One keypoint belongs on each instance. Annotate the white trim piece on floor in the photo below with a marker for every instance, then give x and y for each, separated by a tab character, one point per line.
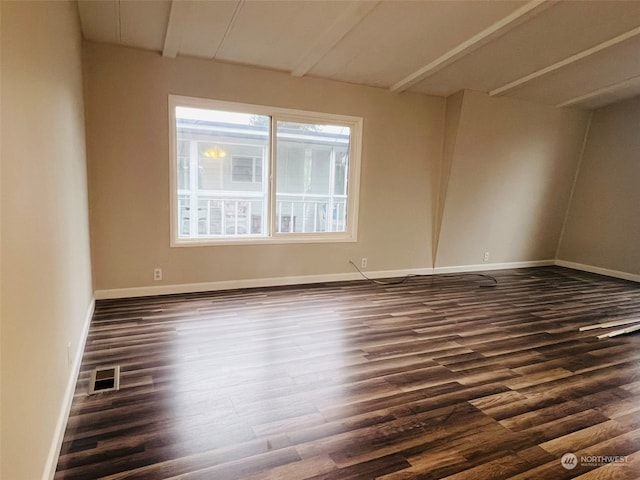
599	270
63	417
614	323
252	283
492	266
623	331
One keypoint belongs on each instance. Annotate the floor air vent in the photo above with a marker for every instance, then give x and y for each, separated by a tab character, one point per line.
104	379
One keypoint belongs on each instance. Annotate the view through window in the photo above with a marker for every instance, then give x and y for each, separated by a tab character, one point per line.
253	174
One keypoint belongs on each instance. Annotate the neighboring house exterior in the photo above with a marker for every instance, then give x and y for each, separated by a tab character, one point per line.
223	176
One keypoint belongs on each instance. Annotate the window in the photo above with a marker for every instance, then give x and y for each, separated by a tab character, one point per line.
252	174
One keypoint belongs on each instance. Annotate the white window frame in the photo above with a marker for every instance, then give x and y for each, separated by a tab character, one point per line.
277	114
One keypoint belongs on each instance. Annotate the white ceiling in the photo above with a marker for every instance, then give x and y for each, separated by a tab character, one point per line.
567	53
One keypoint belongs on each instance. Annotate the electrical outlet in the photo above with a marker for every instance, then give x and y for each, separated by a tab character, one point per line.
69	359
485	258
363	262
157	274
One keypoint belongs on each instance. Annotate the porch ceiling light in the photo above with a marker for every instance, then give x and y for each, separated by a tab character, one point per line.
215	152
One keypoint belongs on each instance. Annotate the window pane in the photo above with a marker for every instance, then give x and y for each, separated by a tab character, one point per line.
242	169
258	170
311	180
183	216
218	152
340	176
290	167
183	165
318	172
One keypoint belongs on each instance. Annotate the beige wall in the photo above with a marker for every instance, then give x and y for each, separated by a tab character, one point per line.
603	221
453	108
46	273
493	174
512	165
128	152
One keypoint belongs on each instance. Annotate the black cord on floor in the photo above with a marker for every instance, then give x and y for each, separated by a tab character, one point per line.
441	275
381	282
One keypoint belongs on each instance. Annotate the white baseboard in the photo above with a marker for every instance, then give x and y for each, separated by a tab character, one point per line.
492	266
599	270
252	283
63	417
337	277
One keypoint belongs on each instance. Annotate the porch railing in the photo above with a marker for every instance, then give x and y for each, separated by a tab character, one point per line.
245	215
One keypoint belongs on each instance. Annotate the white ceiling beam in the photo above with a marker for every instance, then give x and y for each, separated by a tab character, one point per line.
351	17
118	21
230	26
495	30
629	82
567	61
178	20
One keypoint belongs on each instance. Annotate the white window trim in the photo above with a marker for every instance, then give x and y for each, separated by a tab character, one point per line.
282	114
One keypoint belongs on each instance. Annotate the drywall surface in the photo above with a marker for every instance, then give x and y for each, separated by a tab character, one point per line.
128	154
603	221
509	180
453	108
46	268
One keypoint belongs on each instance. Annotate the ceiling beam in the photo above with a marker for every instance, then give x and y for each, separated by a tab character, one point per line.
118	25
178	19
230	26
567	61
629	82
347	20
515	18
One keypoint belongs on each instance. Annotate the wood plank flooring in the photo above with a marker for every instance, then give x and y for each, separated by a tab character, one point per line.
438	377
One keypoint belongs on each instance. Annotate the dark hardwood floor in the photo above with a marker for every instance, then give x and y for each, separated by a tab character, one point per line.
437	377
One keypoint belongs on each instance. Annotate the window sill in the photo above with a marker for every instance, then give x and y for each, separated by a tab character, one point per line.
277	240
